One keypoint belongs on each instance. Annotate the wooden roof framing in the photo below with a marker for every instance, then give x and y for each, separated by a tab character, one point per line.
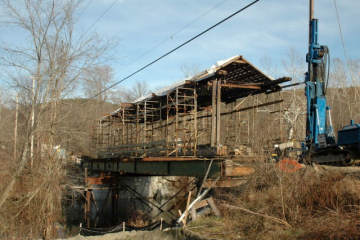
238	78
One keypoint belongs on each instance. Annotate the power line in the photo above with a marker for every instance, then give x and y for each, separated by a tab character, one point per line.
85	8
342	39
177	32
340	29
176	48
101	16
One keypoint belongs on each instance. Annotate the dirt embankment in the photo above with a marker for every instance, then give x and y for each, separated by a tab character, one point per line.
312	203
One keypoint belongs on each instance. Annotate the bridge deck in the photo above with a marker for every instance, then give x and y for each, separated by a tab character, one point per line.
168	166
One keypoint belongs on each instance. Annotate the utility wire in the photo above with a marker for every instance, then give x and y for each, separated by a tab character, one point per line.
176	48
85	8
342	38
100	17
141	56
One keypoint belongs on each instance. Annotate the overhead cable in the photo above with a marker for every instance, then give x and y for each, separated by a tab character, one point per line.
174	49
161	43
101	16
342	39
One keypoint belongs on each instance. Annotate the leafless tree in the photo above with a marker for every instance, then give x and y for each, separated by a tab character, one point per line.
44	69
295	110
268	66
343	94
189	70
139	89
96	80
294	65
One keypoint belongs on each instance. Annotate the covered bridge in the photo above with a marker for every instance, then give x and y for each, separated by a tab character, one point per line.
194	119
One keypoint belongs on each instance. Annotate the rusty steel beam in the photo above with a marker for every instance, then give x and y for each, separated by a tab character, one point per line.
100	180
172	166
164	159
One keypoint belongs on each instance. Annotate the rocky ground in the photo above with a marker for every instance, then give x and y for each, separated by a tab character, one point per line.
133	235
138	235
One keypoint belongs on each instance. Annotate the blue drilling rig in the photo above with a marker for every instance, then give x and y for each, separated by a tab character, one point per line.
320	145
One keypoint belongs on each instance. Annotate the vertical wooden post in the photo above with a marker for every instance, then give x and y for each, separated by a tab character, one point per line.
213	113
110	131
195	122
167	124
127	131
87	207
101	135
145	124
161	132
248	128
123	126
152	113
280	119
253	142
238	128
137	123
218	115
177	122
107	135
130	127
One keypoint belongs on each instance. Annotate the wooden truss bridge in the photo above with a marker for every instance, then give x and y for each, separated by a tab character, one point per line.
179	130
192	128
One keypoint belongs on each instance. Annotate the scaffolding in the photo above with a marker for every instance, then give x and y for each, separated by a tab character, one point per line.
181	122
190	119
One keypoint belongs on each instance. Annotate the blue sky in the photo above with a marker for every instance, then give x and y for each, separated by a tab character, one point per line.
269	28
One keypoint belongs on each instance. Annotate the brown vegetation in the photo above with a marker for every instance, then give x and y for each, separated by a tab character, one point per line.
33	175
276	205
43	72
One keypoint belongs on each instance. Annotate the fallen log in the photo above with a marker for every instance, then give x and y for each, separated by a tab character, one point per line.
342	169
278	220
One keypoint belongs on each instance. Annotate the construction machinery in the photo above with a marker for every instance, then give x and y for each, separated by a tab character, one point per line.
320	145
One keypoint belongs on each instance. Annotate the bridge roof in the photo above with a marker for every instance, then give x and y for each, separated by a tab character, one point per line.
239	77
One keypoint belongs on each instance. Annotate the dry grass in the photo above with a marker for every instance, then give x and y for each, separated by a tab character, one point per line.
301	205
34	208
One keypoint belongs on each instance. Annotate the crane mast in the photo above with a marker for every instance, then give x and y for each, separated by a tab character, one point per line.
319	130
320	145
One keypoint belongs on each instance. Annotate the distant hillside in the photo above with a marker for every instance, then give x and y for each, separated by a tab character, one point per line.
78	116
75	119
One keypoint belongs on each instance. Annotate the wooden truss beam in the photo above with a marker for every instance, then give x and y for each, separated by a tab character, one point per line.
243	86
